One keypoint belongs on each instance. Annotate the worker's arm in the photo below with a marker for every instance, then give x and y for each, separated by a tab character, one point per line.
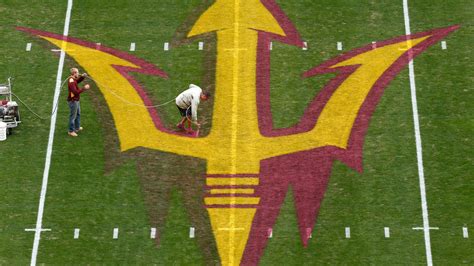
73	88
194	107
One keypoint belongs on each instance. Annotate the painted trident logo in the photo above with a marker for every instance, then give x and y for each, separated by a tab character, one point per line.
245	177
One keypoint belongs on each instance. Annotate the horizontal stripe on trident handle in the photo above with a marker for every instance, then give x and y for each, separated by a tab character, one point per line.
231	204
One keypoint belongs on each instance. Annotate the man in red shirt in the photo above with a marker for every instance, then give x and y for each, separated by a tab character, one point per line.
73	100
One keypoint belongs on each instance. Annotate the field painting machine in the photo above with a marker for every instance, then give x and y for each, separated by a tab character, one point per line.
9	113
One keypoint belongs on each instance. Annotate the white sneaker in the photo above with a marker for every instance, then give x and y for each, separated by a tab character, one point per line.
72	134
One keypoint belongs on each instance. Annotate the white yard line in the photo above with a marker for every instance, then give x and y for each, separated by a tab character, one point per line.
115	234
191	232
348	232
49	151
76	233
419	151
386	232
153	233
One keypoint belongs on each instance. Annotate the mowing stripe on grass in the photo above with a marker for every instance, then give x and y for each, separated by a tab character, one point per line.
386	232
49	151
419	151
465	233
28	47
153	233
76	233
348	232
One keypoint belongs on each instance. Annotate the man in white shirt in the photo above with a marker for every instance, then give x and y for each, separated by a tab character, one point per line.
188	102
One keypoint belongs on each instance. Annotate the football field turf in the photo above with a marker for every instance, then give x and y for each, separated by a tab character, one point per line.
118	194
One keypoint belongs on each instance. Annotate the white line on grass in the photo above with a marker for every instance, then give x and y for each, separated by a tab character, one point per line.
465	233
191	232
49	150
153	233
339	46
423	228
305	46
270	232
444	46
116	233
386	232
166	46
28	47
76	233
271	46
132	47
348	232
419	151
201	46
34	230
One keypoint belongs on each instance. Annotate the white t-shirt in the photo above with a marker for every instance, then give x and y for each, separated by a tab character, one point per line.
190	97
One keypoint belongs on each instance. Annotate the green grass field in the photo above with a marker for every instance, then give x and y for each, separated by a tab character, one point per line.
95	187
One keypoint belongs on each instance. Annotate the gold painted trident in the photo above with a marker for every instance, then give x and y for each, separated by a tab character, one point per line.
235	146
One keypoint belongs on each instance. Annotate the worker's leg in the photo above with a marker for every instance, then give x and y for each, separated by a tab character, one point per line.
72	115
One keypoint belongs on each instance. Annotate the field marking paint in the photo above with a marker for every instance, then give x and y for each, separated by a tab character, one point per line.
348	232
339	46
116	233
423	228
270	232
271	46
76	233
386	232
34	230
192	231
419	151
166	46
28	47
444	46
305	46
465	232
49	150
201	46
153	233
132	47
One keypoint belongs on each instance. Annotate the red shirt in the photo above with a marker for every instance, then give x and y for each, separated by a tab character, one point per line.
74	90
